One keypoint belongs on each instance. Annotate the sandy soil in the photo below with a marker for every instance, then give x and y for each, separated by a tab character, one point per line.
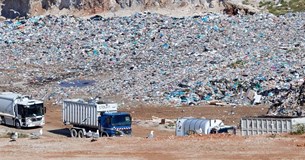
56	143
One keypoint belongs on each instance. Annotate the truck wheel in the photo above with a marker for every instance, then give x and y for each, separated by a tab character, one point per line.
3	121
81	134
104	134
17	124
73	133
213	131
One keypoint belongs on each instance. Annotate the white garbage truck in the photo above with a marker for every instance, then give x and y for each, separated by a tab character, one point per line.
21	110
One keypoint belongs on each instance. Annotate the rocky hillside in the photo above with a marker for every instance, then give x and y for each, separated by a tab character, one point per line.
21	8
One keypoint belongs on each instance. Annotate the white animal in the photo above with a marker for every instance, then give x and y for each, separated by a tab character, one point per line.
36	135
14	136
95	136
232	112
150	135
199	131
89	134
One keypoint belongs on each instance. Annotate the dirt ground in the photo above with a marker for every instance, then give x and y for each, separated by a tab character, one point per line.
56	143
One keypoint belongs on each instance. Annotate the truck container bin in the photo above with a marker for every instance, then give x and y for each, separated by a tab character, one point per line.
269	125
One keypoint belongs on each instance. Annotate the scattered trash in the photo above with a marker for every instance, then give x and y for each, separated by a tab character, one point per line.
156	59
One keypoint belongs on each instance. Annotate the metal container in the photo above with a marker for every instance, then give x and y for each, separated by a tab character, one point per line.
269	125
188	124
85	114
78	113
7	103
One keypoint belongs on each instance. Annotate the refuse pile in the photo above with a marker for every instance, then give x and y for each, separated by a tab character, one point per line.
290	103
156	59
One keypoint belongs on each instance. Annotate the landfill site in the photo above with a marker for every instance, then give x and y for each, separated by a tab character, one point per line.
159	80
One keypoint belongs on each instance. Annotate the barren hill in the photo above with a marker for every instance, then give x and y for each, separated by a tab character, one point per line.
20	8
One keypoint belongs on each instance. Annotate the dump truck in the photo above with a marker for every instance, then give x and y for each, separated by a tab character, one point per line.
21	110
189	125
270	124
86	117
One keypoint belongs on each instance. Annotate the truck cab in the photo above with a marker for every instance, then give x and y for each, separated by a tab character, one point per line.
115	124
31	113
21	110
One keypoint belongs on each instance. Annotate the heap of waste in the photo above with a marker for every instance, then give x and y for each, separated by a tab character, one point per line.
156	59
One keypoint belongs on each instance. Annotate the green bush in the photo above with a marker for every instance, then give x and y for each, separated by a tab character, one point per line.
245	2
284	7
263	3
298	129
297	5
8	135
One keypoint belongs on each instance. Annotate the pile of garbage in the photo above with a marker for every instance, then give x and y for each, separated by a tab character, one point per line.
290	103
156	59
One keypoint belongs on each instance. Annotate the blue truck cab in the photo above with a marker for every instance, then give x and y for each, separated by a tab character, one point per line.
114	124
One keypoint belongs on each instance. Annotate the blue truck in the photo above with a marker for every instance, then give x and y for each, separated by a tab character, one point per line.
86	117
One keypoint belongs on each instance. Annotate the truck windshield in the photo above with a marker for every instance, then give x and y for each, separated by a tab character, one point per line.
121	120
34	110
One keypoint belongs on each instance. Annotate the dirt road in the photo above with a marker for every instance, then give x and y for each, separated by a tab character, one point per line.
56	143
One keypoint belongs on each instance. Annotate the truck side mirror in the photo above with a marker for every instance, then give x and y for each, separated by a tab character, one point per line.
45	109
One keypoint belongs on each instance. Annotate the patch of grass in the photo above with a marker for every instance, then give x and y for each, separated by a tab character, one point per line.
273	136
297	5
284	6
8	135
191	132
4	135
298	129
237	64
171	125
264	3
245	2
